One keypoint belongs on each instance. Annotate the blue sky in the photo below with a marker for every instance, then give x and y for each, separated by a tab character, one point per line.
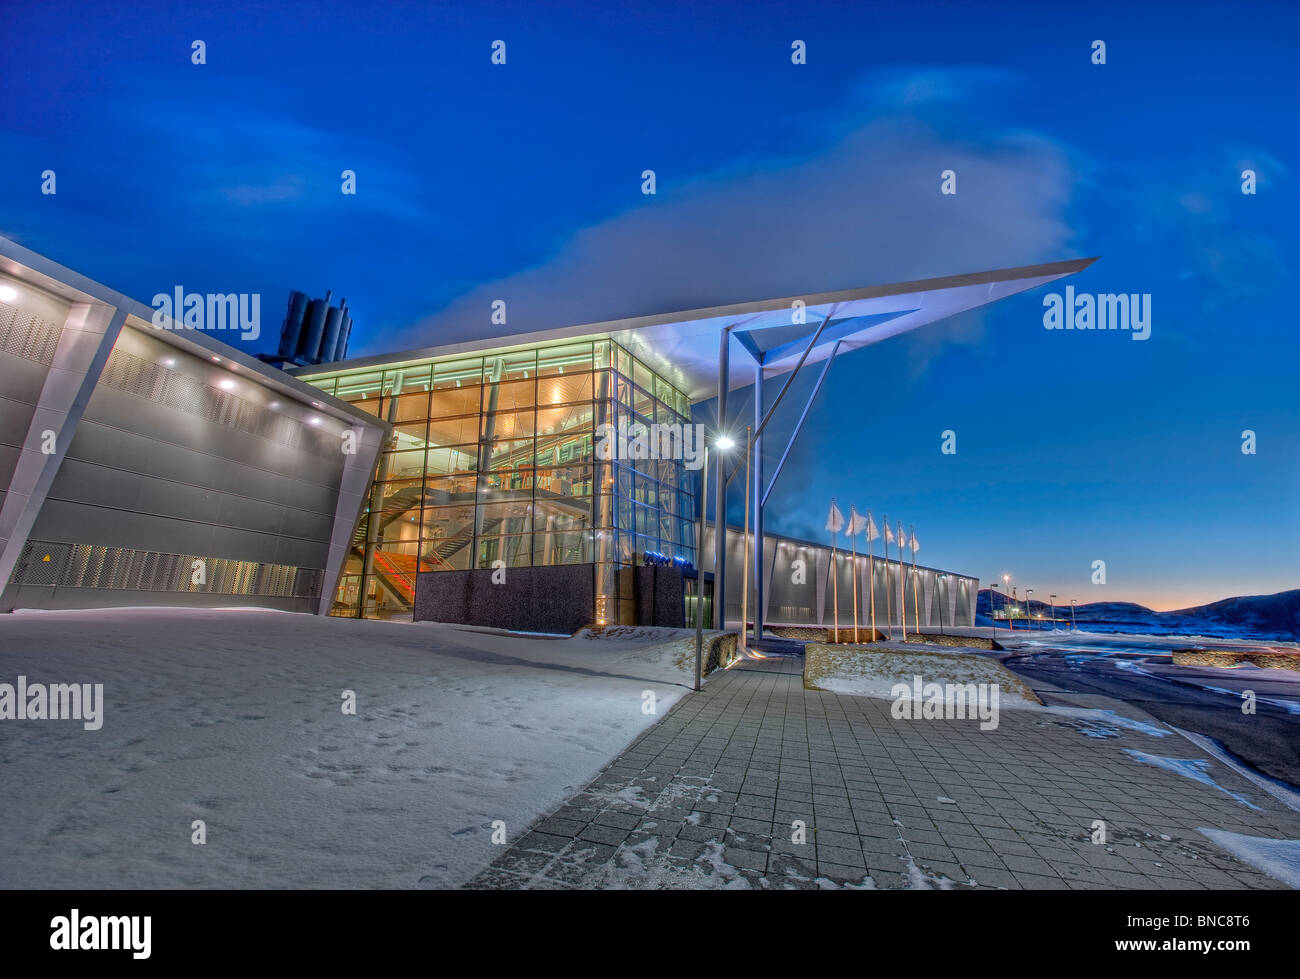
773	179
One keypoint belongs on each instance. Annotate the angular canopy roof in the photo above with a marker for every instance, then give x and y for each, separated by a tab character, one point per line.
683	346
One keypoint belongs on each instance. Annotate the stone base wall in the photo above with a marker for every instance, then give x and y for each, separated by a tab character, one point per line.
660	597
559	599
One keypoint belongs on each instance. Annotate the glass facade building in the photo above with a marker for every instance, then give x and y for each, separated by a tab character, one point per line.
494	463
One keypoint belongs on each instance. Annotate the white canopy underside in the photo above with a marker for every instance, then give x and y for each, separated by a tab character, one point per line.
684	346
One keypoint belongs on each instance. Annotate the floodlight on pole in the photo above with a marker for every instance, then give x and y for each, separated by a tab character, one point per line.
1006	584
993	611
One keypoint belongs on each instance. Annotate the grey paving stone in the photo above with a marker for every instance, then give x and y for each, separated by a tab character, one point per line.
560	827
709	793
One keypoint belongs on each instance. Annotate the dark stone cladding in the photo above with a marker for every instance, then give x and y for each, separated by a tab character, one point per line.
660	597
560	599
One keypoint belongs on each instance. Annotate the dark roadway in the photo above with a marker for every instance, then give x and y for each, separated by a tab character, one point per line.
1139	671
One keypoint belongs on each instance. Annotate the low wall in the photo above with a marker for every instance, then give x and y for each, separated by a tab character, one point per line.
558	599
874	671
864	635
1269	659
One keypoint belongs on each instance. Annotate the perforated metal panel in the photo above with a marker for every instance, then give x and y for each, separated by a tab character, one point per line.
125	569
41	564
27	335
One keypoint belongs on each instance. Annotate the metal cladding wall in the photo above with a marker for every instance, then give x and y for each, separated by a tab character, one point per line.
175	475
28	338
166	464
556	599
795	596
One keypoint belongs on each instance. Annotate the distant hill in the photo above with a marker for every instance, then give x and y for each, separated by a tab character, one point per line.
1266	617
1264	613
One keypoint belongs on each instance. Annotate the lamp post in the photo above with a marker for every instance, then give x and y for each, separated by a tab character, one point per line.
1006	584
1029	610
993	612
723	443
1073	627
1053	601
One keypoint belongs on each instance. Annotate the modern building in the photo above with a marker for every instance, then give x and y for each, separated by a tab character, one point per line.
148	466
492	503
799	587
467	482
493	465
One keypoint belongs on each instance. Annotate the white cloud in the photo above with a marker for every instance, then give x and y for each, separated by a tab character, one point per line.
867	210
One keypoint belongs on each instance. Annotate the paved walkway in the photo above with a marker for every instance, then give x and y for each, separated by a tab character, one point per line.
707	798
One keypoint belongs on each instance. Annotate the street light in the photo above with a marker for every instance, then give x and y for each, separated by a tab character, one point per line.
1006	584
1073	627
993	612
1029	610
723	443
1053	599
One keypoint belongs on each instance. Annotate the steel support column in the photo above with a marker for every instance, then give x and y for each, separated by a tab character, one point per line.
757	476
720	503
798	427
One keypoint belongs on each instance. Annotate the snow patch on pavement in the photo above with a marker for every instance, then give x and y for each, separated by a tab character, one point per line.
1096	723
1282	793
1280	859
1197	769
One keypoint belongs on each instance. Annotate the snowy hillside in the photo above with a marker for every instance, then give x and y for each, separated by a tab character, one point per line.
1265	617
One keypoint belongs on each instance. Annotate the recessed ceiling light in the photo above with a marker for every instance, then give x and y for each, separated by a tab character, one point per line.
275	404
227	385
216	359
315	421
8	293
169	361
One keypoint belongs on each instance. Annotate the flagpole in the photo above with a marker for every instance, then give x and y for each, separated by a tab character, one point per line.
835	578
889	598
902	583
916	600
853	538
871	574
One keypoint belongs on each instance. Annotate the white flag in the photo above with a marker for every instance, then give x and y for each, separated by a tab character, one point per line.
857	524
915	546
872	533
835	520
902	538
889	534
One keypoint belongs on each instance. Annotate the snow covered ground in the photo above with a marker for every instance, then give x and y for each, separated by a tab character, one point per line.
234	717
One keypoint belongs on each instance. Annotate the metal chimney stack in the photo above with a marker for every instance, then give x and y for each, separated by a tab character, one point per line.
314	332
291	330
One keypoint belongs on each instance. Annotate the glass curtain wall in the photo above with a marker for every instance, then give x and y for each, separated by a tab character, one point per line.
493	463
